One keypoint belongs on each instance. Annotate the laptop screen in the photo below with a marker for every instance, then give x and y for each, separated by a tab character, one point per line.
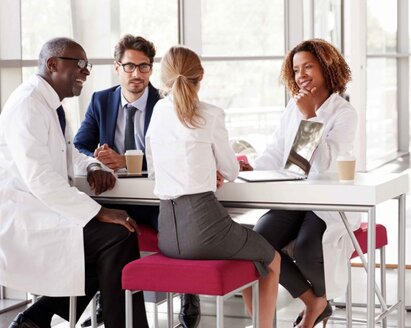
306	140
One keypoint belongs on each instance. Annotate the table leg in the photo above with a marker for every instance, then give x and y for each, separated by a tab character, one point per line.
401	260
371	269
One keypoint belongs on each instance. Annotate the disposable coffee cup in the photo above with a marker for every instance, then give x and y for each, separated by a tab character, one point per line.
346	167
134	161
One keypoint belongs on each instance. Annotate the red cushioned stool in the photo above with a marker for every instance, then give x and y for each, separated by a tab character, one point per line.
147	244
221	278
147	240
381	240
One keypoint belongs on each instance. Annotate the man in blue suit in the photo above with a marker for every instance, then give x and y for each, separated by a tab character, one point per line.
102	133
117	120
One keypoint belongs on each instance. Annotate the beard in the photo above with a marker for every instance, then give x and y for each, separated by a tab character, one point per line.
76	90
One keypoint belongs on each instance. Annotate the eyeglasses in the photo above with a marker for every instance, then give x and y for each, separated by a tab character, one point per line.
131	67
81	63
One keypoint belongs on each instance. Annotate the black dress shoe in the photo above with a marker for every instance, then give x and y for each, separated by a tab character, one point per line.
20	321
99	313
190	311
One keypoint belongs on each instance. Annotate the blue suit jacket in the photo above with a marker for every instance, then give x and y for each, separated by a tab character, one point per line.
100	121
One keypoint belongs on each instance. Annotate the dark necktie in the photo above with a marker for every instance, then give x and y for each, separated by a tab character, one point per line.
129	139
62	118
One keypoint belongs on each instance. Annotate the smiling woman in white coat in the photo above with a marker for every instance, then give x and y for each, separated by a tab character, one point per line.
316	74
54	239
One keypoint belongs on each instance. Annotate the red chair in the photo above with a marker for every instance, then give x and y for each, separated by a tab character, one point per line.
148	243
381	240
147	240
221	278
243	158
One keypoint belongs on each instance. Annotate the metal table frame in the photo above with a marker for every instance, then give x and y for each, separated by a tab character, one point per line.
314	195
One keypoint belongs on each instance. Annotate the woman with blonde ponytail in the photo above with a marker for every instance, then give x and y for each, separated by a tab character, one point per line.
189	154
181	73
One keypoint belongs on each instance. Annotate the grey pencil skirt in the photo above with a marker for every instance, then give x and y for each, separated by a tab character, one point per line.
198	227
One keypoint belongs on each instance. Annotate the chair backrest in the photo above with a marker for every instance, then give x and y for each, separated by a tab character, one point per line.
381	238
147	240
243	158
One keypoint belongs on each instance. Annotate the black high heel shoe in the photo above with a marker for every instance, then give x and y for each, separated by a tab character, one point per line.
324	316
298	319
328	311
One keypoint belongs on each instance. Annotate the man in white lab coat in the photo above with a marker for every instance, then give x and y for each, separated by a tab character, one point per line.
54	239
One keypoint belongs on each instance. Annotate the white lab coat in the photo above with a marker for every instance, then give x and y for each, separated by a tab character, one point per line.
340	123
41	215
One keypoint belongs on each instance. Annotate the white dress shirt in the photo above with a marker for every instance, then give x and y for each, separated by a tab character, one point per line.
185	160
139	119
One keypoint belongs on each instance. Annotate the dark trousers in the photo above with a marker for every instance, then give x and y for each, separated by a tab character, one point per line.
306	269
108	248
142	214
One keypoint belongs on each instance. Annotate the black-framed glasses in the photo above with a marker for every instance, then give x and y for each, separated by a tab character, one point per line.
131	67
81	63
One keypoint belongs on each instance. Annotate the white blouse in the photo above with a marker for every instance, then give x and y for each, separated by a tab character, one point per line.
184	160
340	124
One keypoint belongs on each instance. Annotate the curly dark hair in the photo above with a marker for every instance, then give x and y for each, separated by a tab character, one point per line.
335	69
131	42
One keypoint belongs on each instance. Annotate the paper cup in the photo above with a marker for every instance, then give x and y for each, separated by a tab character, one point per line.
346	168
134	161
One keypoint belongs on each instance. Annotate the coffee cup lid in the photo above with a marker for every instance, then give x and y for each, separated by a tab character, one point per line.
134	152
347	157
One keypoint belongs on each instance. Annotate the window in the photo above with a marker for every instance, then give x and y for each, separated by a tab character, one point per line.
36	19
98	36
242	63
327	21
156	21
242	46
323	19
382	108
238	28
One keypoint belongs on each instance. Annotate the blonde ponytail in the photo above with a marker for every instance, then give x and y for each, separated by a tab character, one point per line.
181	73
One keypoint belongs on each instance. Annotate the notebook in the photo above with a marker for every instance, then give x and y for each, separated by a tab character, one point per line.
298	164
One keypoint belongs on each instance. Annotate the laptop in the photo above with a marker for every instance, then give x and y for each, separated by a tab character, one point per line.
298	164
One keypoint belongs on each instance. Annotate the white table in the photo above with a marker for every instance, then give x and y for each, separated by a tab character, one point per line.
322	192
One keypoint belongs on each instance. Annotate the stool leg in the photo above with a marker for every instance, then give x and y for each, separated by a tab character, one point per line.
129	309
33	298
170	314
348	297
93	312
72	311
155	312
383	281
220	312
256	307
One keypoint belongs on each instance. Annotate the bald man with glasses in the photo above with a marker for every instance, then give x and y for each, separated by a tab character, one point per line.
56	241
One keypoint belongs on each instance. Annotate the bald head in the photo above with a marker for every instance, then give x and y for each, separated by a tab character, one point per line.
63	64
53	48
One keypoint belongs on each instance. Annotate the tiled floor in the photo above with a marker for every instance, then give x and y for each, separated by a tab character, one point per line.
288	308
